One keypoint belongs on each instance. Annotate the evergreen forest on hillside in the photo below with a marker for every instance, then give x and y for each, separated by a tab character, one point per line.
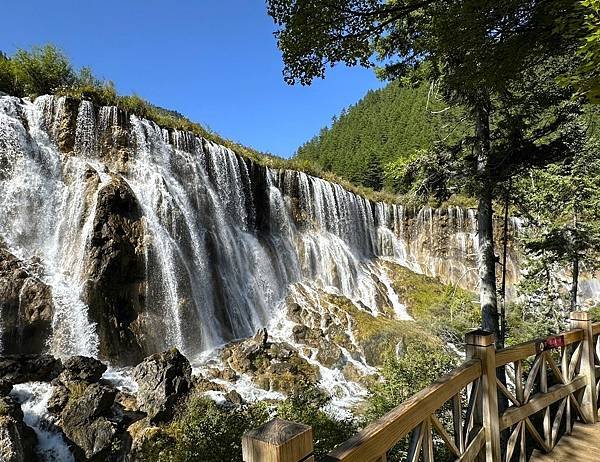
390	125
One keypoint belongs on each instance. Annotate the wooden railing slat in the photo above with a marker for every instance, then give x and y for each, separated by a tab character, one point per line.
385	432
474	447
539	401
439	428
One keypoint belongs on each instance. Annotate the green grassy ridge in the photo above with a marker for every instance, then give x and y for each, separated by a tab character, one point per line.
46	70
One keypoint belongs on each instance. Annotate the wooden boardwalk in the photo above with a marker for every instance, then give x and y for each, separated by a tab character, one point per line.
583	445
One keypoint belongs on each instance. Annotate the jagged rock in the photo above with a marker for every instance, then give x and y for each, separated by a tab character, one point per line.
234	397
5	387
329	354
261	337
227	373
65	132
59	399
117	273
85	420
126	400
163	379
82	368
17	440
201	384
29	368
142	434
272	365
26	307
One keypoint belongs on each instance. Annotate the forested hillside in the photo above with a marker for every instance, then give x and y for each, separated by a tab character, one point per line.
387	125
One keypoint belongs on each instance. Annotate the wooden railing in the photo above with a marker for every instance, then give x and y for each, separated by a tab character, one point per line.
497	406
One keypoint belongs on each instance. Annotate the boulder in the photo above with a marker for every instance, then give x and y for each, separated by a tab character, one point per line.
85	420
82	368
115	288
29	368
5	387
234	397
271	365
59	399
163	379
17	440
26	306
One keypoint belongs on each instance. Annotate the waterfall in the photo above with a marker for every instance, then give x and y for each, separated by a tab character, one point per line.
34	397
46	207
224	237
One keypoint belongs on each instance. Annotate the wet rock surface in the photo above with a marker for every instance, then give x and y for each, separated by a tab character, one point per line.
26	306
92	413
163	380
29	368
117	273
271	365
17	440
82	368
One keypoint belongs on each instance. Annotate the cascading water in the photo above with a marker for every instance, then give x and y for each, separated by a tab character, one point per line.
33	398
45	211
224	237
226	242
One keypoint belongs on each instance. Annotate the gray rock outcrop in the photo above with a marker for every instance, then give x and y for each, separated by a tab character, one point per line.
117	273
17	440
163	379
26	307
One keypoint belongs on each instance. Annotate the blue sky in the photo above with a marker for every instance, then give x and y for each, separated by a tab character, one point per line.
214	61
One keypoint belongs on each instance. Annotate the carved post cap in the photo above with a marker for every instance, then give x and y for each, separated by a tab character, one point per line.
480	337
278	441
581	316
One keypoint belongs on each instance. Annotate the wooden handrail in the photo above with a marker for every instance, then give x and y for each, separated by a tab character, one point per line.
533	347
477	431
384	433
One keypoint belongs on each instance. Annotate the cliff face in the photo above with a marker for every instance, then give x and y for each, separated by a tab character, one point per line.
148	238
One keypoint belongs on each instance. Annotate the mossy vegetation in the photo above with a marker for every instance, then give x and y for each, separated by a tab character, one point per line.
446	311
209	432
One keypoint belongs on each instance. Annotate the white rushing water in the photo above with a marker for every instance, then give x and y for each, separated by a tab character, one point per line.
225	237
33	397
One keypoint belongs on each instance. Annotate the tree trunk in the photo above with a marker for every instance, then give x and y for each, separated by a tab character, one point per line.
504	261
487	257
575	281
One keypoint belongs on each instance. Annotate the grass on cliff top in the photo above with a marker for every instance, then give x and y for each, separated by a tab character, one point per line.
46	70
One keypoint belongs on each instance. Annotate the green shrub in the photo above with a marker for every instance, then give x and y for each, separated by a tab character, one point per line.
8	80
42	70
420	366
205	431
307	407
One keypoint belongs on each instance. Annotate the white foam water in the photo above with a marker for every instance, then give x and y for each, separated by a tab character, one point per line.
33	397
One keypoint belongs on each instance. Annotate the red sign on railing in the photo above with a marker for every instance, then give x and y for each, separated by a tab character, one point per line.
554	342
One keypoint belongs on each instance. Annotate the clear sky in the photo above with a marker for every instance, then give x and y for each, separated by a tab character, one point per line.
215	61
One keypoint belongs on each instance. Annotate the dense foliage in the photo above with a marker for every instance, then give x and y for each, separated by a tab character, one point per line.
391	125
418	367
210	432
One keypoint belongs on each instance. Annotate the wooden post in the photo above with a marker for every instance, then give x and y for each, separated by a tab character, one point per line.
582	320
278	441
480	345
